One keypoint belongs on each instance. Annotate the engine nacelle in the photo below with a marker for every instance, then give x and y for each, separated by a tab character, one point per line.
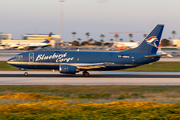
68	69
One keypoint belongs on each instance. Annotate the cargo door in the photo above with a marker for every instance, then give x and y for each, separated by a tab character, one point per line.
31	57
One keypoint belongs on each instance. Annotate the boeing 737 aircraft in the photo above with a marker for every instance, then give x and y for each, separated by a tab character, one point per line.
24	45
71	62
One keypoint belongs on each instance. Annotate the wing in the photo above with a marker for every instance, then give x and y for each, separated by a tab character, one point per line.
92	66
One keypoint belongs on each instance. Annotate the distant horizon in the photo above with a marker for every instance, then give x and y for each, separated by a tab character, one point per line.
84	40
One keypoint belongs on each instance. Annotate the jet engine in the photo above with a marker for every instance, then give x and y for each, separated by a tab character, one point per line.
68	69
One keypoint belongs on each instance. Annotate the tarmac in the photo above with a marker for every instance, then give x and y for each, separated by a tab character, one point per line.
96	78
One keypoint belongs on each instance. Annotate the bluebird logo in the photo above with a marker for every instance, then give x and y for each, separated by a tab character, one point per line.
152	41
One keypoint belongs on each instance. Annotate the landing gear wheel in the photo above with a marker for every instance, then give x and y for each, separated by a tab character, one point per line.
26	73
85	74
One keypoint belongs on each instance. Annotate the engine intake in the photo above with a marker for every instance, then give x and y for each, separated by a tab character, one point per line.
68	69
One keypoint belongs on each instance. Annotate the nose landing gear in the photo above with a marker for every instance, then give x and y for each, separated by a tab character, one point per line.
24	69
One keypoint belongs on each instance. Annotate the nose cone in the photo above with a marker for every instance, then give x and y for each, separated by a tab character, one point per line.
10	60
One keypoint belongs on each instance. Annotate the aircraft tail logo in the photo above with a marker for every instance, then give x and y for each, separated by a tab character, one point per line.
150	44
152	41
48	38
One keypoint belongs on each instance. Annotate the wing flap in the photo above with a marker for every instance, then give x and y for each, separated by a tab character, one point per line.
92	66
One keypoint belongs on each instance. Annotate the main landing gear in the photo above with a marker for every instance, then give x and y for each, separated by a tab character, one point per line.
85	73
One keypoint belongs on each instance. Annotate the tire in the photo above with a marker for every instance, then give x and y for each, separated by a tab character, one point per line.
86	74
26	73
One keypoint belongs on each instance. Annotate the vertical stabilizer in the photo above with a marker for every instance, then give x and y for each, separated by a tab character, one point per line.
49	38
150	44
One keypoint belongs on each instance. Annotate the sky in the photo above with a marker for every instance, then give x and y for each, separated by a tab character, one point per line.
94	16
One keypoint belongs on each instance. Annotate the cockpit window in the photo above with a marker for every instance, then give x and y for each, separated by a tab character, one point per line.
19	56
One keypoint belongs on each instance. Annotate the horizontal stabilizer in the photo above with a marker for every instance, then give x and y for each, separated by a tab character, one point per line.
153	56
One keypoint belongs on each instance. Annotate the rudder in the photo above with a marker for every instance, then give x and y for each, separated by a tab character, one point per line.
150	43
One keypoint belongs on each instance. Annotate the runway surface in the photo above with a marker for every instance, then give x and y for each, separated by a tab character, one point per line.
96	78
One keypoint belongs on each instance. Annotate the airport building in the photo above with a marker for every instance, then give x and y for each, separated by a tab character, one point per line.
5	36
28	38
176	42
40	37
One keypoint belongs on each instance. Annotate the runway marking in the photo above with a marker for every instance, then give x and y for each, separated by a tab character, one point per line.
95	81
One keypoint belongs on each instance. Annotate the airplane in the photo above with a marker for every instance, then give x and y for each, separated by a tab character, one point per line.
72	62
123	45
26	45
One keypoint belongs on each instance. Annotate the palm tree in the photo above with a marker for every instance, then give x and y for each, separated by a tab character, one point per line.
87	34
102	42
90	40
102	36
73	33
173	34
130	37
111	40
144	35
121	39
79	41
116	37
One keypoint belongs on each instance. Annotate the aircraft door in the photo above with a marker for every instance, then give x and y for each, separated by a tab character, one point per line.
31	57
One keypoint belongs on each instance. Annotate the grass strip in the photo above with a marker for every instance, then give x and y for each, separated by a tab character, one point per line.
59	110
69	89
34	104
158	66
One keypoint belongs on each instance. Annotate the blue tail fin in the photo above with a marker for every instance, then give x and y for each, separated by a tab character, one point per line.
150	44
48	39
